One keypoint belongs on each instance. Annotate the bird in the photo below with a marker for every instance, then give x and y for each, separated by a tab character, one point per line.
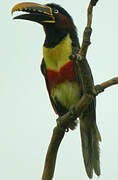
63	79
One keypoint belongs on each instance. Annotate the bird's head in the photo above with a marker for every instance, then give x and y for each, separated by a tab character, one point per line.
44	14
55	19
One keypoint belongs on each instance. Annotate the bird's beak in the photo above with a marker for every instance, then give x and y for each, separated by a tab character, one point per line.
34	12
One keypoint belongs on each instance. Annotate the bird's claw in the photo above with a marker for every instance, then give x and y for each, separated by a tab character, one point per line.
72	112
74	123
60	126
98	89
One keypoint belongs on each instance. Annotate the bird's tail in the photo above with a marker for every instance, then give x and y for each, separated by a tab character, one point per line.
90	138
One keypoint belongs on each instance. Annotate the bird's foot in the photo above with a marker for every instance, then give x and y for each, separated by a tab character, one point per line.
72	112
73	124
98	89
60	126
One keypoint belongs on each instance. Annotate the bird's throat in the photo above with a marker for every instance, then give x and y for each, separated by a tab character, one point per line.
56	57
53	35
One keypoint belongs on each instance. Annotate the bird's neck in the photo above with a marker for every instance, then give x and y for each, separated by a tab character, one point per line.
55	36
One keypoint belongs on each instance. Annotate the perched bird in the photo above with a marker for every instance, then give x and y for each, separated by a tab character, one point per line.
61	75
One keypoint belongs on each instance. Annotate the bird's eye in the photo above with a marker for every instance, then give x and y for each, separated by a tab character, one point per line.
56	11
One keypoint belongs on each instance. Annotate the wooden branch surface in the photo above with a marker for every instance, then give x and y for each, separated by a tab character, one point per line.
49	167
109	83
89	92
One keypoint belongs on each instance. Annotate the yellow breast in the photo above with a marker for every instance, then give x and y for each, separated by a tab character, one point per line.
56	57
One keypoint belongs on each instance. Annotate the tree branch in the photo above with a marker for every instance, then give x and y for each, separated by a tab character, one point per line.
90	91
106	84
58	133
49	167
85	101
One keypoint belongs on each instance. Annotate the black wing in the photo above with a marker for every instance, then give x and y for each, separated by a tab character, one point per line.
90	135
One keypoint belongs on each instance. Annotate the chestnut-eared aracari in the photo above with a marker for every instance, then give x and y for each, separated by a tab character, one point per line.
61	75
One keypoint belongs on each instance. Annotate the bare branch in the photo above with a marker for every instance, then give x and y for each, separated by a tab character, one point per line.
89	93
58	132
101	87
87	32
89	15
109	83
50	161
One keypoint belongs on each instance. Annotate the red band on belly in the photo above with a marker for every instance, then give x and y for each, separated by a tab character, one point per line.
67	72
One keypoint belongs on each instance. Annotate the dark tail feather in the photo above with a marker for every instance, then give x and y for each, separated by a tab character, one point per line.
90	138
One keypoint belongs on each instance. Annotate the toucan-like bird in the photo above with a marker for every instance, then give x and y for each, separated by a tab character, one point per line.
62	79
